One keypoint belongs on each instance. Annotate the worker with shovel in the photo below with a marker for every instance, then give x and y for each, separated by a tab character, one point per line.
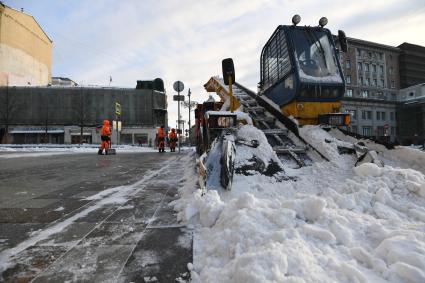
105	136
160	137
172	137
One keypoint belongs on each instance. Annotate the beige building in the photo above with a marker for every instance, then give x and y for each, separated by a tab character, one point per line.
25	50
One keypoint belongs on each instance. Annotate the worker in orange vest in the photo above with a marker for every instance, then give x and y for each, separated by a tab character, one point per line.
172	137
160	137
105	136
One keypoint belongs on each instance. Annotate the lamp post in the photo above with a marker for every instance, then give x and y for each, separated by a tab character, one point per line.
188	94
178	87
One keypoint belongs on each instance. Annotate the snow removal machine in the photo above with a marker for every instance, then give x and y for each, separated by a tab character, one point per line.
301	83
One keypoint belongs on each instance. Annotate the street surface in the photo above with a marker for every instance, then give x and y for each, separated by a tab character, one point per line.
90	218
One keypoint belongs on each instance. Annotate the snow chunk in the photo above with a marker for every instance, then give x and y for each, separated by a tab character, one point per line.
406	249
408	272
309	208
368	169
251	266
210	208
319	233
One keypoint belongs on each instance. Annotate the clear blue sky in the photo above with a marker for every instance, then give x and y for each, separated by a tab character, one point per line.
187	39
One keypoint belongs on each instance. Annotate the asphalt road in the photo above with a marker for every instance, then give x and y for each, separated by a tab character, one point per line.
56	227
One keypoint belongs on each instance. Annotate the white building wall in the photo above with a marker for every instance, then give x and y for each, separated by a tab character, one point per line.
23	69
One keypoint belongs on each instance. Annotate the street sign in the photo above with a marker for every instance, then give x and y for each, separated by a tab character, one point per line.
117	108
178	97
386	126
116	125
178	86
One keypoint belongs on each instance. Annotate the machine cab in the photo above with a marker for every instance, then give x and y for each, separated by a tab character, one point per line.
301	63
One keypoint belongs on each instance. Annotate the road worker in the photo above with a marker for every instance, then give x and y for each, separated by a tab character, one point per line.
105	136
172	137
160	137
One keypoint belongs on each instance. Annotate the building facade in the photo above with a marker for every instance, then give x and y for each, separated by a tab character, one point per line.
73	114
411	115
60	81
25	50
371	72
412	65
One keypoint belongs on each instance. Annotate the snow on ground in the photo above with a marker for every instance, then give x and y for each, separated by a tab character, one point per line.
401	156
17	151
335	223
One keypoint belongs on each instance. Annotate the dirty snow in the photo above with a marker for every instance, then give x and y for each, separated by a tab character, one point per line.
336	223
25	150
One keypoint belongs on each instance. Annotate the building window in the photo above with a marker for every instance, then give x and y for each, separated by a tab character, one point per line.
380	56
383	116
353	114
392	116
380	131
364	93
378	115
370	54
367	131
392	84
354	129
348	64
381	70
361	80
359	66
366	115
367	81
374	68
375	82
359	52
348	79
382	83
366	67
349	92
391	70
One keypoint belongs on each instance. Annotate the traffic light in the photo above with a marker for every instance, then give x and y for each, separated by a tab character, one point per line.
228	70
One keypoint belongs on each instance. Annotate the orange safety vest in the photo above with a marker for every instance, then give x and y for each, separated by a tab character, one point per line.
172	135
160	133
105	129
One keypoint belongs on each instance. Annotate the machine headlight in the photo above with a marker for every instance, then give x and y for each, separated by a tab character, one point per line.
323	21
296	20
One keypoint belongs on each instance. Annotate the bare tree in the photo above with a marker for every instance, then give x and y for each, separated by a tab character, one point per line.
79	109
8	107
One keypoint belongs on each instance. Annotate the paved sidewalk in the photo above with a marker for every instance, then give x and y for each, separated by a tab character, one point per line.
125	234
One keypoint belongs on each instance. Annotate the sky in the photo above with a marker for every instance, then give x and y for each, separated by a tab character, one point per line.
186	40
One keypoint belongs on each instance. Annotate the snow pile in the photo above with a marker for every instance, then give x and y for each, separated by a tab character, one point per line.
323	141
401	156
263	152
336	223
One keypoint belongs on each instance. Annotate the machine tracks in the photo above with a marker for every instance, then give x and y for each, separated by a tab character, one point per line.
277	134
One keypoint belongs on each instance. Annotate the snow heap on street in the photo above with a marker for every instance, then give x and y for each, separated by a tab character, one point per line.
335	223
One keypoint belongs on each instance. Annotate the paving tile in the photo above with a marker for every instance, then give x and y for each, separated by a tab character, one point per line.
88	264
98	215
162	254
30	262
28	215
33	203
69	236
114	234
13	233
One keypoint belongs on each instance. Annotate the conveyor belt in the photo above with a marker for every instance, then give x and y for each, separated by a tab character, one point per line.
277	133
